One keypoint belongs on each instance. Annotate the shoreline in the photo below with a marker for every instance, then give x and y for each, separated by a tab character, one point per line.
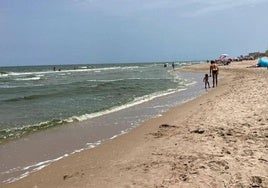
43	148
218	139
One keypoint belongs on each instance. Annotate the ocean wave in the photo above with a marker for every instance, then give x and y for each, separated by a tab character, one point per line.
80	69
20	86
29	73
18	132
27	79
14	133
7	86
86	68
83	67
29	97
136	101
3	74
115	80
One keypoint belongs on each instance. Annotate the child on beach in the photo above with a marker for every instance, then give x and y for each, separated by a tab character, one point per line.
206	81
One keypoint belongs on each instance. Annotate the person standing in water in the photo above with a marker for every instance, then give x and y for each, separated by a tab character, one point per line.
214	71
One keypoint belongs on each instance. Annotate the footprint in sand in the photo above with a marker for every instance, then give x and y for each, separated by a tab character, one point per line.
158	134
76	174
163	129
247	152
256	181
218	165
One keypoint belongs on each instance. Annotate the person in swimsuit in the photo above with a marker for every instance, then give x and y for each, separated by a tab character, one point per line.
214	71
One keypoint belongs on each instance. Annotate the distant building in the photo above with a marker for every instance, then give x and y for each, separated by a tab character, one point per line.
256	55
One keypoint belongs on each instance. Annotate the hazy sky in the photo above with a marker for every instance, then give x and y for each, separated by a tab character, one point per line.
117	31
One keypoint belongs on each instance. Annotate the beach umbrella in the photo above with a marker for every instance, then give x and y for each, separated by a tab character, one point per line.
224	56
225	59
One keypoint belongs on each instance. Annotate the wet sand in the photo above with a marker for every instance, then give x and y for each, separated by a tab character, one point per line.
217	140
26	155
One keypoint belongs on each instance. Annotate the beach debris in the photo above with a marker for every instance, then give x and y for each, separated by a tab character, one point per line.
76	174
163	129
198	131
66	177
167	126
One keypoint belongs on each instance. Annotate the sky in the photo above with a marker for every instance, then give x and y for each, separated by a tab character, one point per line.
48	32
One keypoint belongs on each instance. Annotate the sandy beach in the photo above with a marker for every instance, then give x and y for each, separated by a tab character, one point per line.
217	140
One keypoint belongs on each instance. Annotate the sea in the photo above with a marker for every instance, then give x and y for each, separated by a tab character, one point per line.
50	112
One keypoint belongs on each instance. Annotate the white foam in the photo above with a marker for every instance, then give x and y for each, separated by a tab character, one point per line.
136	101
70	71
26	79
115	80
3	75
83	67
20	86
26	171
7	86
30	169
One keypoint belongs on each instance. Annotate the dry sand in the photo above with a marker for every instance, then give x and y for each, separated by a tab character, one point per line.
217	140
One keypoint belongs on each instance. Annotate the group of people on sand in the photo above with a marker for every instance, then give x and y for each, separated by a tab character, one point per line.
214	71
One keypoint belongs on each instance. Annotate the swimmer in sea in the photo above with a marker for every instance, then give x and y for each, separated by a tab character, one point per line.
214	71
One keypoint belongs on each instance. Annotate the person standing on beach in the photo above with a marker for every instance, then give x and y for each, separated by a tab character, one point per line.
214	70
206	81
